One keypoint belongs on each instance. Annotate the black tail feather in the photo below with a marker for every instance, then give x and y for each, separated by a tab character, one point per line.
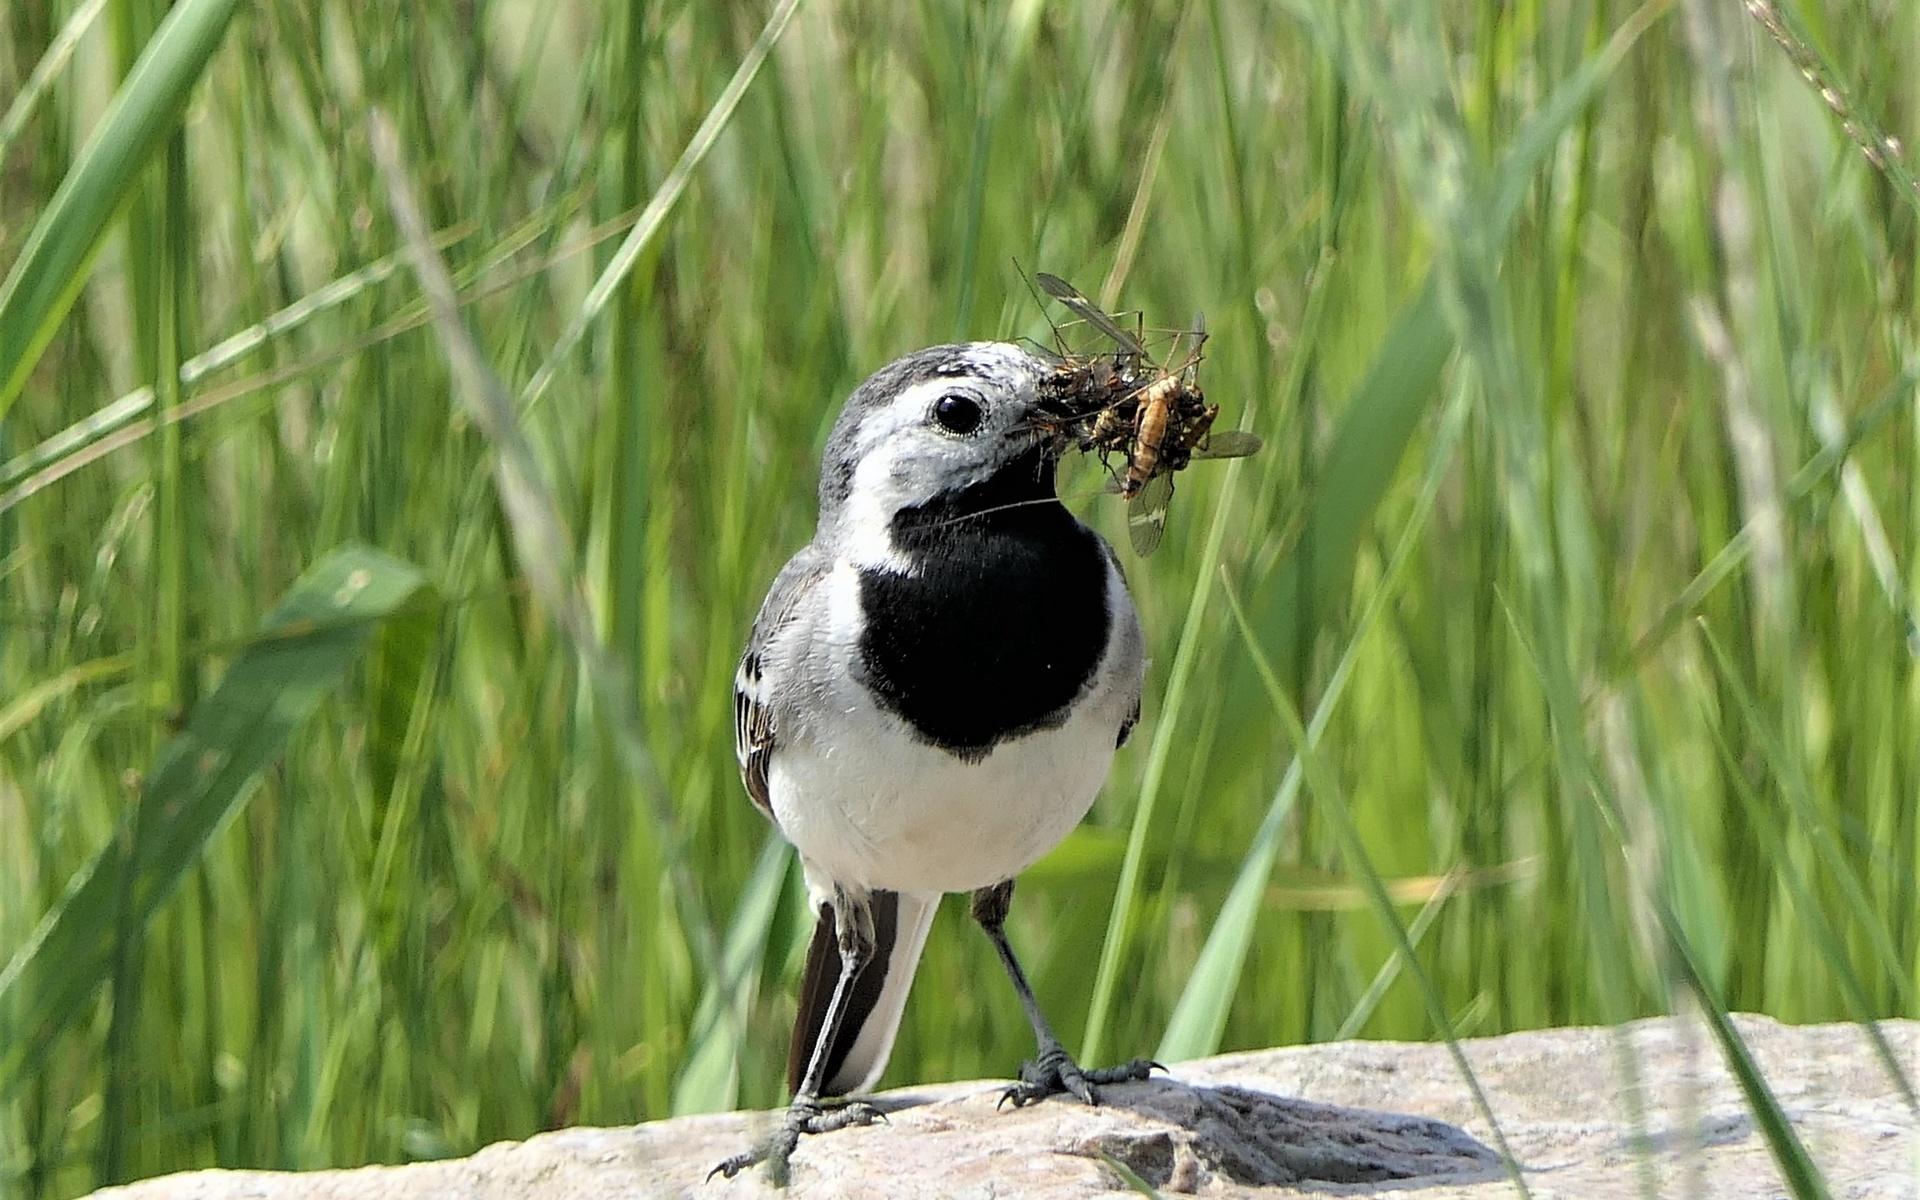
816	989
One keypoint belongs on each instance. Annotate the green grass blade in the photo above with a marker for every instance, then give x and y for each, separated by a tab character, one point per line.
1360	863
1200	1016
668	194
1789	1152
199	781
130	417
59	53
52	266
1389	971
1375	429
1825	938
1129	1177
1380	416
1127	887
1883	153
710	1077
1829	461
1535	140
21	710
1810	819
542	543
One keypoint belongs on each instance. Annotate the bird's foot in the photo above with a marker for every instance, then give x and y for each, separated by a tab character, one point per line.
803	1116
1053	1071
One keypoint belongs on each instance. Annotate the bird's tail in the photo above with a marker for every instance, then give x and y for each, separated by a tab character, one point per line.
859	1053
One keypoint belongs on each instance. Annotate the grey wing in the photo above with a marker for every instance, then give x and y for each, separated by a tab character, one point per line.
1133	661
755	731
1126	725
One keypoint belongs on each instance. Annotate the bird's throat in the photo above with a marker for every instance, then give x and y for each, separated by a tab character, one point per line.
1000	620
1018	501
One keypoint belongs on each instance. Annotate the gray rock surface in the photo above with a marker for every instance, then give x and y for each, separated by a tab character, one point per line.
1352	1118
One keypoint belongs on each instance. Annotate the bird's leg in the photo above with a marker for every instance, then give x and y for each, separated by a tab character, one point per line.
1052	1069
853	928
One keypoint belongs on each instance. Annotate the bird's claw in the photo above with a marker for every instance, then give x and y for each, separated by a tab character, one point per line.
803	1117
1053	1071
853	1112
730	1167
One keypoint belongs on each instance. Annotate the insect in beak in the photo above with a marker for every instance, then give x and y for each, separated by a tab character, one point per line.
1123	404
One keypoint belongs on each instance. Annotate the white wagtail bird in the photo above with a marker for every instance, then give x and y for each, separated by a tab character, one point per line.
928	702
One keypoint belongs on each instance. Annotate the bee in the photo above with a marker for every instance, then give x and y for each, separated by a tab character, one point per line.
1154	415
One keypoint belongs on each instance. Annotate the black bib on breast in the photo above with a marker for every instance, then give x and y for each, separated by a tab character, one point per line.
1002	621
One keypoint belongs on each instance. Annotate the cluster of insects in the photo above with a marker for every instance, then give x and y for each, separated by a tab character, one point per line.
1124	404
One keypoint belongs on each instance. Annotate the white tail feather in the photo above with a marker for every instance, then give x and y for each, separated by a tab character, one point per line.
866	1061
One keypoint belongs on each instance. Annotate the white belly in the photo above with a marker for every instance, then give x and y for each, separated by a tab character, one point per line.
877	808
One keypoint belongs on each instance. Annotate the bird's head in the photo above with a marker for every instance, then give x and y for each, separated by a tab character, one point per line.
946	437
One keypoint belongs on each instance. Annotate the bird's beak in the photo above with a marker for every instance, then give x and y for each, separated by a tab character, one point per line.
1057	412
1050	426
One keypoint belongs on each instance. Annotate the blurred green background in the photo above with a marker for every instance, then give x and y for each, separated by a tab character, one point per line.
1580	334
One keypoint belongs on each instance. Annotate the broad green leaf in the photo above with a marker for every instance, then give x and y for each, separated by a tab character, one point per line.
201	779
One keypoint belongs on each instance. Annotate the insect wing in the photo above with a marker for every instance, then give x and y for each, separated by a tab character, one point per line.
1228	443
1147	514
1196	351
1087	311
1046	354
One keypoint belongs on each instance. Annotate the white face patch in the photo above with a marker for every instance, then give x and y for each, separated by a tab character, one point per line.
867	529
906	461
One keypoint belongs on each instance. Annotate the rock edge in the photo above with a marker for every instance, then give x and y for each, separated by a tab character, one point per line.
1348	1118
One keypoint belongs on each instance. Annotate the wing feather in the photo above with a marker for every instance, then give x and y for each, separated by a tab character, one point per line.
755	726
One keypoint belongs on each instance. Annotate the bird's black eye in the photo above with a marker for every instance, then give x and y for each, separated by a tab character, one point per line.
956	413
